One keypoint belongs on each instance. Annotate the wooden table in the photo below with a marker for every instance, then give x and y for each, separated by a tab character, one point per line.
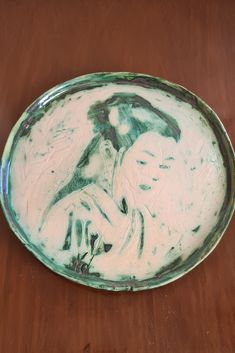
43	43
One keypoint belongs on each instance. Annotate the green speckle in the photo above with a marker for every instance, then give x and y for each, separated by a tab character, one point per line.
155	179
144	187
190	205
202	160
213	143
195	230
169	159
154	251
193	168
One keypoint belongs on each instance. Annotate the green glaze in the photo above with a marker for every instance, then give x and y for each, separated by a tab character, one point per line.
67	242
80	269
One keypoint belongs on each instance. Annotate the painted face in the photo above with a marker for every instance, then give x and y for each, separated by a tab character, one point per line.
149	160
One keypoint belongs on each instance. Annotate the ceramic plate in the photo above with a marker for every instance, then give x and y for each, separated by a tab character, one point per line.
118	181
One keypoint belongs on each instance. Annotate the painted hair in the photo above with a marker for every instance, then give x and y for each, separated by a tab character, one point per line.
125	104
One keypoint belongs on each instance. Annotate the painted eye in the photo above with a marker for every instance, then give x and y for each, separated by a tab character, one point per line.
164	166
141	162
145	187
149	153
155	179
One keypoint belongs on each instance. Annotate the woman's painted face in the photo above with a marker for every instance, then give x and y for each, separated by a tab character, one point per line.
148	161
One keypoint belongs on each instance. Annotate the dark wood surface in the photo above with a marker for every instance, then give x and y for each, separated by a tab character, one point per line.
43	43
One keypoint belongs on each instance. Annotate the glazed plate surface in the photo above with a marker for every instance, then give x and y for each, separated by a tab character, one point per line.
118	181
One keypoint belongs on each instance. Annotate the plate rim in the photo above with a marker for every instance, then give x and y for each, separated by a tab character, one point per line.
96	282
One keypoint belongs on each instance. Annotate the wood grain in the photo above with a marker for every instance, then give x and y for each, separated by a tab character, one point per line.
43	43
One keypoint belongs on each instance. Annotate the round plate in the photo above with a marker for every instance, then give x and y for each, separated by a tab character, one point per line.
118	181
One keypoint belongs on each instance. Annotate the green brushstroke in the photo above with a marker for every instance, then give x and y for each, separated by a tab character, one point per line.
67	243
149	153
86	232
77	182
85	204
102	212
141	233
169	267
124	207
93	239
195	230
78	228
130	233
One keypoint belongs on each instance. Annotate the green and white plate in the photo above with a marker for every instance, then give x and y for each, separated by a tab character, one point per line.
118	181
